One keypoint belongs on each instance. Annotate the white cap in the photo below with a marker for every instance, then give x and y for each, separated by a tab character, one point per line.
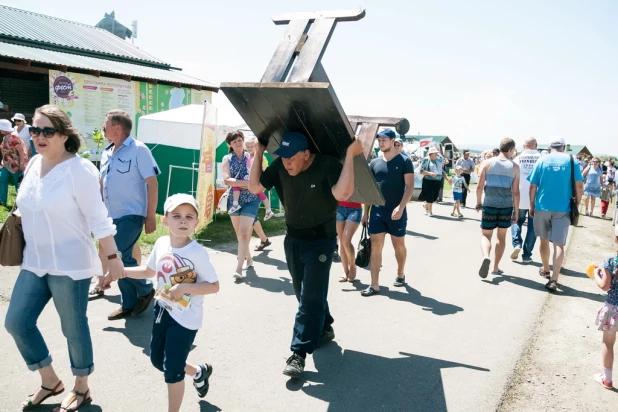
557	141
176	200
5	125
433	150
460	167
19	116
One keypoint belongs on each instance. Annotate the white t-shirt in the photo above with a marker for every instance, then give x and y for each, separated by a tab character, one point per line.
189	264
24	135
526	161
458	184
611	172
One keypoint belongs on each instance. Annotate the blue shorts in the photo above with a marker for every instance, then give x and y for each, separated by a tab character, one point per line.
457	196
349	214
248	209
170	345
380	221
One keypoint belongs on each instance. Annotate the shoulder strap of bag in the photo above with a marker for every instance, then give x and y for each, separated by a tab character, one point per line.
572	178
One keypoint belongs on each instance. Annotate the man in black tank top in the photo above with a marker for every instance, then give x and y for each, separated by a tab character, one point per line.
310	187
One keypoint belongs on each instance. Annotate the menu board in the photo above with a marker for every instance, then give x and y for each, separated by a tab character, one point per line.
87	99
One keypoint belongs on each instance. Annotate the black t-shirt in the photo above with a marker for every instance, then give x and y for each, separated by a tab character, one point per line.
390	178
307	197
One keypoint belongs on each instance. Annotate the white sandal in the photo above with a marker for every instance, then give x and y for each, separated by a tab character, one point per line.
95	291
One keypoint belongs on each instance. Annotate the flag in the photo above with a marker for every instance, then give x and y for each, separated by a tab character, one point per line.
425	142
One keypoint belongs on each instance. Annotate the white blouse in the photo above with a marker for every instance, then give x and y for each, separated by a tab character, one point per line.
60	212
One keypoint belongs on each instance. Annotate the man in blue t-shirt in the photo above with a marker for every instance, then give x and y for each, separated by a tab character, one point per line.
550	196
394	175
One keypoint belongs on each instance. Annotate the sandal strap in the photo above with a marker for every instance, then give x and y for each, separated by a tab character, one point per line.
51	390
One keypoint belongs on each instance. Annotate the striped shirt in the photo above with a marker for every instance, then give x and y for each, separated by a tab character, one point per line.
499	178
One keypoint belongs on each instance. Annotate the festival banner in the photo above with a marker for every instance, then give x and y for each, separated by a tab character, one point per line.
206	173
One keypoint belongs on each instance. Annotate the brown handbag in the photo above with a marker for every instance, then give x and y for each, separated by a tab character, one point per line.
12	241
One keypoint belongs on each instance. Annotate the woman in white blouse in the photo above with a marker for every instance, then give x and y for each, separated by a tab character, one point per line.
61	207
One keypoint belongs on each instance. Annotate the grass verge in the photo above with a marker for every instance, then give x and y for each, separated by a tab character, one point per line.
6	209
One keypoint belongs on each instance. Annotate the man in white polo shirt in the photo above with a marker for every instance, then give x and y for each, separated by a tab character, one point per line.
526	161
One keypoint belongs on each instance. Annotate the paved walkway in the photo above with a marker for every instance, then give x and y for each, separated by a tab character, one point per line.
448	341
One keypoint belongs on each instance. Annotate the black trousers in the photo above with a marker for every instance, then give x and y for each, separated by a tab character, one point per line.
309	263
464	196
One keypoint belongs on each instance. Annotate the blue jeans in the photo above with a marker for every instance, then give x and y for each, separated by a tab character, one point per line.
170	345
5	176
528	244
30	296
128	230
309	263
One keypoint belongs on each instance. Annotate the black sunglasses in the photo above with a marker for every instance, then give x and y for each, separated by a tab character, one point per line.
47	131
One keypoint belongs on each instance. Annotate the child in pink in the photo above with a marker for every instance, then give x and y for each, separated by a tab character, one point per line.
606	278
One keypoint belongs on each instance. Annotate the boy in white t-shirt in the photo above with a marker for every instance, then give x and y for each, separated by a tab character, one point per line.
184	275
459	185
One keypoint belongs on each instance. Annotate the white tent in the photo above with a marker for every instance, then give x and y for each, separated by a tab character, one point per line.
181	127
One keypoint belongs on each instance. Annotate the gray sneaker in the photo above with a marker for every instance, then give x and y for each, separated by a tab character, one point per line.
295	366
326	336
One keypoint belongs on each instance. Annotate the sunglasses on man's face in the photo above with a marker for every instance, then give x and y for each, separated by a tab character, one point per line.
397	145
47	131
18	121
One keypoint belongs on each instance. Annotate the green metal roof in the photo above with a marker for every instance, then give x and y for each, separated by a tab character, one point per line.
103	66
39	30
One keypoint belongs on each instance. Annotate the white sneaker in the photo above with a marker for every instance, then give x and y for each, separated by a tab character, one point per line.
515	253
234	209
238	275
268	215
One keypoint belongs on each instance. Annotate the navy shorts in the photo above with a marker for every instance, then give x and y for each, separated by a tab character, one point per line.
349	214
170	345
380	221
457	196
494	217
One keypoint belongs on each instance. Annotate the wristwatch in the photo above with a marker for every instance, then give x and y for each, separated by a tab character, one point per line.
117	255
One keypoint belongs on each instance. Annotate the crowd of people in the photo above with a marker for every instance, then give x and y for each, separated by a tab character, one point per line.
67	204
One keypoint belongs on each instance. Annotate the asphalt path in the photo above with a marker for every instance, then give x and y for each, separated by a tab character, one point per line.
447	341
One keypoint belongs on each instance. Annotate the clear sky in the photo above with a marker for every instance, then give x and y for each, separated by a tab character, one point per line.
474	70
